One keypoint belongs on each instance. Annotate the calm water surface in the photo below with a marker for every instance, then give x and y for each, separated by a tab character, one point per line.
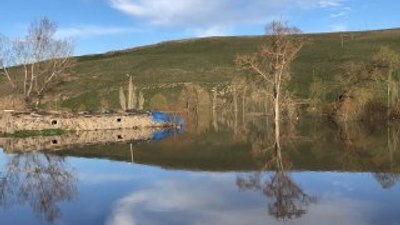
221	173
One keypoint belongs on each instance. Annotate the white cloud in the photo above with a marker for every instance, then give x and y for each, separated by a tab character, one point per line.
330	3
195	13
338	27
92	30
307	4
340	12
203	17
211	31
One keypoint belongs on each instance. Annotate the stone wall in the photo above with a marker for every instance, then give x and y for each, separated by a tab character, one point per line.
82	138
12	121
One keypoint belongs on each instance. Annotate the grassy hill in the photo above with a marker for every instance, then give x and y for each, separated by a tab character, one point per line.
164	67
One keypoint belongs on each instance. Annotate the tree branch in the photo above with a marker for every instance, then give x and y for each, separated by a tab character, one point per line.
7	74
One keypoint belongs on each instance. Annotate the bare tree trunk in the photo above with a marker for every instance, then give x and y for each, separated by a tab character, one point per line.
122	99
130	93
141	100
132	99
277	125
214	106
215	120
28	94
277	116
37	102
235	100
389	81
9	78
277	103
244	107
214	110
235	110
25	79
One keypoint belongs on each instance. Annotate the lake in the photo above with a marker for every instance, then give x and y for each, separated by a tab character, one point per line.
225	171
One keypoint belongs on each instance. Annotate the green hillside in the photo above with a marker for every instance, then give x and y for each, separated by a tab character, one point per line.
164	67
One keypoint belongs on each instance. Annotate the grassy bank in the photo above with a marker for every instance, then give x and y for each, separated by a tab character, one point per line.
165	67
33	133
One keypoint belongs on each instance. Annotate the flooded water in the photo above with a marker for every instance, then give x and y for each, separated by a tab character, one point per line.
221	172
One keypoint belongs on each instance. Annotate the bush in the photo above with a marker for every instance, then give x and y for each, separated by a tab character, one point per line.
374	111
159	102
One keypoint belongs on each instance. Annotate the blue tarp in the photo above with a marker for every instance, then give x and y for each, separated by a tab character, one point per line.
161	117
161	134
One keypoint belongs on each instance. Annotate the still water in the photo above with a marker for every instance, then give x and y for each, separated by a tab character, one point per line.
218	173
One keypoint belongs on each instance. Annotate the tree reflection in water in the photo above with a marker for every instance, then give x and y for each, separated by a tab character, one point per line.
369	150
38	180
289	201
387	180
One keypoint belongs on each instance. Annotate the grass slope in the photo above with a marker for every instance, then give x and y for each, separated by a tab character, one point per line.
162	67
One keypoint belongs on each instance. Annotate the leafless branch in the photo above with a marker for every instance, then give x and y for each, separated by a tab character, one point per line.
42	59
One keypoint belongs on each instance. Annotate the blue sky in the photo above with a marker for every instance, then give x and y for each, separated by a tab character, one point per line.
102	25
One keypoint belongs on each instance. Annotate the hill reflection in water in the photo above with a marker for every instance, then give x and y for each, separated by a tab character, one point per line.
311	146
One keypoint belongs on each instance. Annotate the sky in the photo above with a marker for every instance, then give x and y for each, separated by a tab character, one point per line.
98	26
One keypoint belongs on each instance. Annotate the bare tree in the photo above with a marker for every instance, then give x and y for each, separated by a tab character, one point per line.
122	99
271	64
386	62
5	50
141	100
34	64
132	99
363	84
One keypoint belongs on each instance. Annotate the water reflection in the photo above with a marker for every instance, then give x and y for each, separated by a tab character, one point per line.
289	201
387	180
227	168
310	145
85	138
34	176
39	180
371	146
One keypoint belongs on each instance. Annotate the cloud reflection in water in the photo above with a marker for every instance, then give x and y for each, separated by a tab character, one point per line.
208	200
